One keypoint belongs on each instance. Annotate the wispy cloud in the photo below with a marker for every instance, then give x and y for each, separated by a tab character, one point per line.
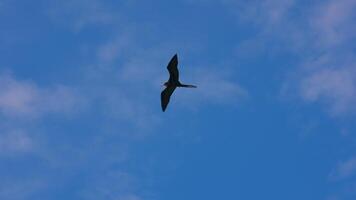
21	98
24	105
344	170
331	77
20	189
332	84
321	36
82	13
214	88
333	22
15	141
266	13
125	187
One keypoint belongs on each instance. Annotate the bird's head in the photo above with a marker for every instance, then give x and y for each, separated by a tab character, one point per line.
165	84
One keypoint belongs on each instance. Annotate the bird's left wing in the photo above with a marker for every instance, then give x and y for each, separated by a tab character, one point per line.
165	96
173	69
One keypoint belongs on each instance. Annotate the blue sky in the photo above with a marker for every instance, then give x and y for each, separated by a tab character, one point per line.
273	116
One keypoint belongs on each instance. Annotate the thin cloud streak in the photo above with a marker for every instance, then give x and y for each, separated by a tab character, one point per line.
15	141
214	88
344	170
321	36
82	13
335	87
125	187
25	99
333	22
21	189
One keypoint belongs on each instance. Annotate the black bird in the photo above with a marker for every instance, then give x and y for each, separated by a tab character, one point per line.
172	83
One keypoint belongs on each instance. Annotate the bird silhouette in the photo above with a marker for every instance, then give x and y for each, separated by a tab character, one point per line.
172	83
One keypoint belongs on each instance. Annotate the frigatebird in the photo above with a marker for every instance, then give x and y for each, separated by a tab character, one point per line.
172	83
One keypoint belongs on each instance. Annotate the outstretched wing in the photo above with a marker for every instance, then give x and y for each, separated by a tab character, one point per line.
165	96
173	69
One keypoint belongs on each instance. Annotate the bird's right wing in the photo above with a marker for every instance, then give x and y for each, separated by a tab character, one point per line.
173	69
165	96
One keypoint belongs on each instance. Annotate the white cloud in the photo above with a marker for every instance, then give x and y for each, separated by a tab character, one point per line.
334	21
23	104
130	197
320	25
345	170
323	32
25	99
113	185
15	141
332	77
267	12
82	13
16	97
334	86
214	88
114	48
344	173
20	189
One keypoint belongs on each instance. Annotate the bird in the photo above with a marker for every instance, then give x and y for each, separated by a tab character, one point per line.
172	83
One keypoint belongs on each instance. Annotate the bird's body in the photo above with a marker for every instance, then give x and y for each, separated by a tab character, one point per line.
172	83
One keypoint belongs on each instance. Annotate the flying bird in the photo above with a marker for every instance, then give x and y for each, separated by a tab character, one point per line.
172	83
